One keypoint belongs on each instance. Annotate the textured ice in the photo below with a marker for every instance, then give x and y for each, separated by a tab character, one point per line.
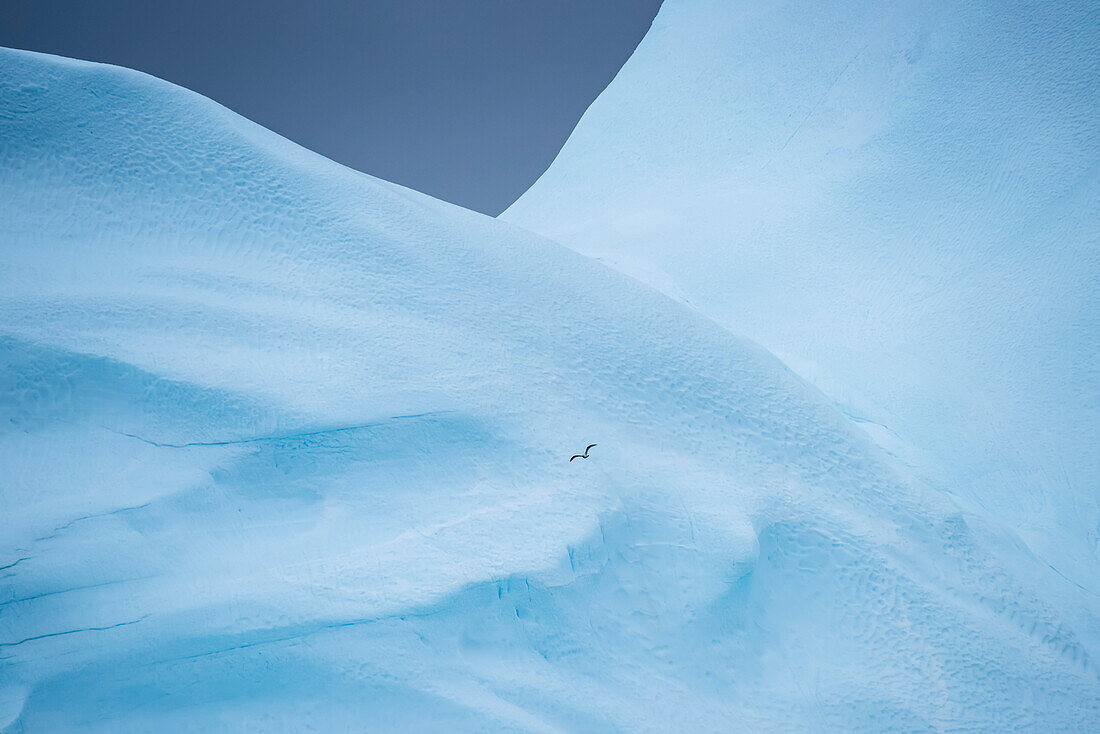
284	446
900	201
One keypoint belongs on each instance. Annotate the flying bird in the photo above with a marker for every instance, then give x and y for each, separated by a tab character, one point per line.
584	455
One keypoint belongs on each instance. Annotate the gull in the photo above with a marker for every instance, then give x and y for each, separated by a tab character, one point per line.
584	455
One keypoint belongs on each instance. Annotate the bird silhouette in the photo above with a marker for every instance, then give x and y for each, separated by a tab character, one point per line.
584	455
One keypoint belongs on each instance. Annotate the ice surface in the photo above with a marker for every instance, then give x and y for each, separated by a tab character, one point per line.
285	447
900	201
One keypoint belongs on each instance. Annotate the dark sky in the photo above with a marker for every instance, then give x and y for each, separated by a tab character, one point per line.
468	101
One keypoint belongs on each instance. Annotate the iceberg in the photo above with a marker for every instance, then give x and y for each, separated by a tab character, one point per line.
896	199
284	446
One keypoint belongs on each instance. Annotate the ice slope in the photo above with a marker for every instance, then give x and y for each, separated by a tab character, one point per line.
284	447
900	201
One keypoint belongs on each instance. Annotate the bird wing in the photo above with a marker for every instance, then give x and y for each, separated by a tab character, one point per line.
589	447
576	456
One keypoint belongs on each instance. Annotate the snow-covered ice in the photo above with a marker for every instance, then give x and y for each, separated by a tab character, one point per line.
899	200
283	446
